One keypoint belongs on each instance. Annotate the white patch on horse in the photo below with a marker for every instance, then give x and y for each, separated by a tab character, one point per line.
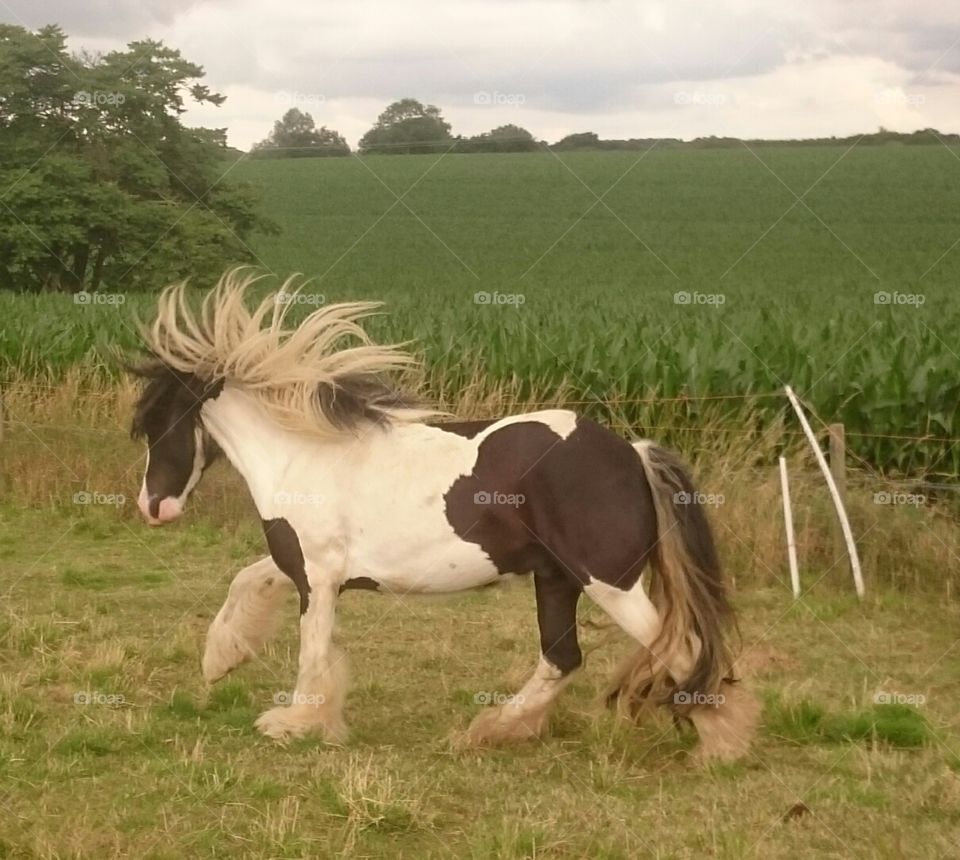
384	489
638	617
561	421
632	610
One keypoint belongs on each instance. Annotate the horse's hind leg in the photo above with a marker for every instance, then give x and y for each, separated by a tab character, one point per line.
725	721
247	618
524	715
646	673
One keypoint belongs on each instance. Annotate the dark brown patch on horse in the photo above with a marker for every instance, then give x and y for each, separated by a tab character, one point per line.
287	554
364	583
535	500
557	596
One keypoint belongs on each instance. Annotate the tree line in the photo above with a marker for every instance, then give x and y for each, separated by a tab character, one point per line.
406	127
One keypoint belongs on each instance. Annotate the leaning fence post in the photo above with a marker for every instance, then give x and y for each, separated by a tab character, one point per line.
834	493
788	525
838	462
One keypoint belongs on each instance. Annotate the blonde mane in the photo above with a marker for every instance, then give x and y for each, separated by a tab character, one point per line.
297	373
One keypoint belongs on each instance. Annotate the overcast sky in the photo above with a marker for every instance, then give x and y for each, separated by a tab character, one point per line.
803	68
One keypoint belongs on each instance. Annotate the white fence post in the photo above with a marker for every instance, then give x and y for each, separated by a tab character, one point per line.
788	525
834	493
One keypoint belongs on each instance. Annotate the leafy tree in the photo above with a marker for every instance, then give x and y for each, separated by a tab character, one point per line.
100	182
297	135
580	140
504	138
408	127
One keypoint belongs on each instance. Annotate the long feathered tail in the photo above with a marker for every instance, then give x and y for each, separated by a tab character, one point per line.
688	590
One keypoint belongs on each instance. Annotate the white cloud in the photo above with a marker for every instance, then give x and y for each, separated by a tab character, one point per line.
622	69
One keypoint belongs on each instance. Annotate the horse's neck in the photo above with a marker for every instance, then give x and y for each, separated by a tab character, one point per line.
259	448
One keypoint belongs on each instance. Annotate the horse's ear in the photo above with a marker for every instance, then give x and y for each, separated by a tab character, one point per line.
159	380
143	366
201	389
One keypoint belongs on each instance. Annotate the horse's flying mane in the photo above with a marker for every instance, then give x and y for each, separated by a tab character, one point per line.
324	375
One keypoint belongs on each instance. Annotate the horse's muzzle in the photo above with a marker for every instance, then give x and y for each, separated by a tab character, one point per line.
155	514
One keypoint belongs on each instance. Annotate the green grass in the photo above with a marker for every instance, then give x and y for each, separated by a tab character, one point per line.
598	316
804	721
149	762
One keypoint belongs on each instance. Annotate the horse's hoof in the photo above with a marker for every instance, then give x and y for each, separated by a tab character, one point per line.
726	729
222	655
286	722
505	725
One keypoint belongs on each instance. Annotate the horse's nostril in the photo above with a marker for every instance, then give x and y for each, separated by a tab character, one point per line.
168	510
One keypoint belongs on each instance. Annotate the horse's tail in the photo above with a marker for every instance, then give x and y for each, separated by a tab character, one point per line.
688	590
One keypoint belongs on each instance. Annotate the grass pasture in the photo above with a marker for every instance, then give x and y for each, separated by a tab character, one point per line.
111	745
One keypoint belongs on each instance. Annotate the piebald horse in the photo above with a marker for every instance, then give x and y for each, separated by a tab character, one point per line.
359	488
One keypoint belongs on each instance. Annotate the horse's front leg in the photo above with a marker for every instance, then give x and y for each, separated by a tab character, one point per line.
247	619
316	704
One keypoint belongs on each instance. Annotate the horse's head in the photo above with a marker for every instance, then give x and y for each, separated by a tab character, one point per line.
167	417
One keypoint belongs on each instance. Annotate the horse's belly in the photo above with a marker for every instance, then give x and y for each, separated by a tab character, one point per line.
450	566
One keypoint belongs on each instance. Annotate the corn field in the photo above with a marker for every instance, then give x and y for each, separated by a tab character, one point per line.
504	275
